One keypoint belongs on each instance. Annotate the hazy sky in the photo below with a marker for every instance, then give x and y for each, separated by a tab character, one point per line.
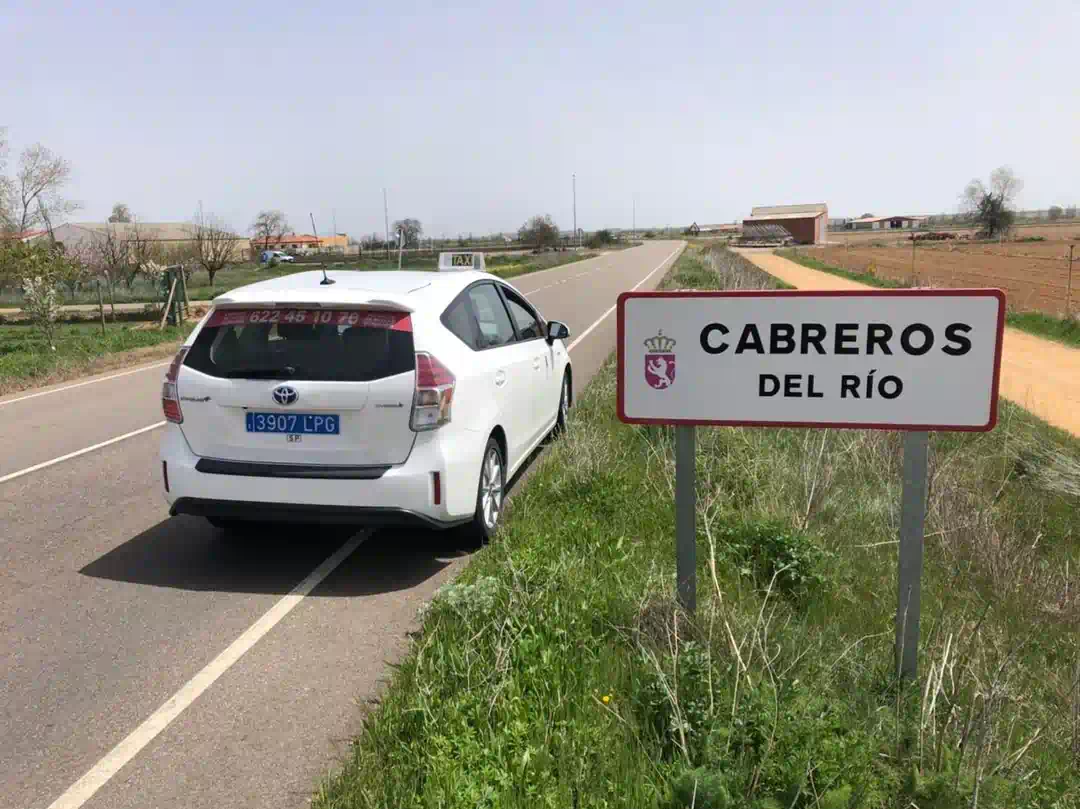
474	118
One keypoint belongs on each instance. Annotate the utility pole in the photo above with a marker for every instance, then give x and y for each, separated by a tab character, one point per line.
386	215
574	178
634	228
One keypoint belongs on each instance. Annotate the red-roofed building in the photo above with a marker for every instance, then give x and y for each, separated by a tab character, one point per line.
25	236
290	242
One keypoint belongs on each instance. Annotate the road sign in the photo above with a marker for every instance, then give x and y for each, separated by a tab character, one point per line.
886	359
472	260
911	360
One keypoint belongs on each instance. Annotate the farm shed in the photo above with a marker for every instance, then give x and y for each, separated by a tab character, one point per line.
886	223
807	224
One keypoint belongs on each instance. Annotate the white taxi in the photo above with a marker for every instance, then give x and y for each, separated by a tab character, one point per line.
362	397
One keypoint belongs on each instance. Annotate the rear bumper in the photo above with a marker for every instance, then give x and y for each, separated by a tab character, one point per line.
358	495
292	512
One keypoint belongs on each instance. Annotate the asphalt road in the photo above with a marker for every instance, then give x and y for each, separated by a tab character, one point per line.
148	663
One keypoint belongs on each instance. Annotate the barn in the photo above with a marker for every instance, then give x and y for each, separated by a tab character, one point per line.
807	224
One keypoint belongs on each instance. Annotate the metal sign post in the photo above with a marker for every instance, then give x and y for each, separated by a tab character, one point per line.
685	517
909	565
914	361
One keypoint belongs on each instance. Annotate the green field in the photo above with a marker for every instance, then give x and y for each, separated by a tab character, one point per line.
558	671
1061	330
25	356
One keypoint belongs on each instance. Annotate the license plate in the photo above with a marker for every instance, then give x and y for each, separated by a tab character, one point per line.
294	423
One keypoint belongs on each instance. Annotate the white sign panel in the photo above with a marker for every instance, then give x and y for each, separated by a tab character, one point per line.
888	359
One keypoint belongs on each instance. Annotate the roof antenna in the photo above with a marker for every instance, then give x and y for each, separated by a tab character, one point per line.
326	280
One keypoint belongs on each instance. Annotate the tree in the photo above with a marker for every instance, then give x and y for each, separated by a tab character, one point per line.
41	268
215	246
34	198
120	213
1054	213
269	226
412	229
991	208
540	231
109	257
145	253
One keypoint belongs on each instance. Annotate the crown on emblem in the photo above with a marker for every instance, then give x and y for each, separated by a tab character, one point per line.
659	344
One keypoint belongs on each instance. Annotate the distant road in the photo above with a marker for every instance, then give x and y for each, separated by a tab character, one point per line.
112	614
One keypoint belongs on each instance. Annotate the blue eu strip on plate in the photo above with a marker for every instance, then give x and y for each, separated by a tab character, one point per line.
294	423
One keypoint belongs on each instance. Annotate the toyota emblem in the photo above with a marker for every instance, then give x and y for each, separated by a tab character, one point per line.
285	394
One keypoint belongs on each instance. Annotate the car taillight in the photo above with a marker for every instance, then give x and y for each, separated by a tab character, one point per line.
434	393
170	399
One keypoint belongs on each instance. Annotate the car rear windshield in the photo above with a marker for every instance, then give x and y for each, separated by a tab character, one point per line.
315	344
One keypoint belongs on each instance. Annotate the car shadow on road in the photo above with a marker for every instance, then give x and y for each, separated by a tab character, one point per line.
188	554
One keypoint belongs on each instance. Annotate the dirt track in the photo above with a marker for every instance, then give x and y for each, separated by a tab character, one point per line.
1039	375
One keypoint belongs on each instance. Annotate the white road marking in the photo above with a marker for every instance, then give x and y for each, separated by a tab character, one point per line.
87	382
83	789
637	286
79	452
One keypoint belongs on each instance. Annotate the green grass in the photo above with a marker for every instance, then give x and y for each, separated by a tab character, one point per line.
199	288
557	670
25	354
1058	329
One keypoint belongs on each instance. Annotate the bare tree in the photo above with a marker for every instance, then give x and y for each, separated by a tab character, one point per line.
109	255
36	194
215	246
120	213
269	225
992	208
6	223
145	253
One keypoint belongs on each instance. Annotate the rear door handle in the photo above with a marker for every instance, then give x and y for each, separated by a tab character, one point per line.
536	363
500	378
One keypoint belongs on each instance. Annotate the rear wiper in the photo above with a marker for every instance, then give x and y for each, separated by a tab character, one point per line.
283	372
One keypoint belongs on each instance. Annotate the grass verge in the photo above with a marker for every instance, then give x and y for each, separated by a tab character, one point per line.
81	349
558	671
1059	329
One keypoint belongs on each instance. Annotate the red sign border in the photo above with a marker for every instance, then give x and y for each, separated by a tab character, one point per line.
806	293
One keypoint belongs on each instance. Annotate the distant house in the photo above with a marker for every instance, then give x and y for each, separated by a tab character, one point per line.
696	229
291	243
25	236
807	224
886	223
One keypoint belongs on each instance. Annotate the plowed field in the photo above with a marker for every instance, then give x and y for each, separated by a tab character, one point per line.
1034	276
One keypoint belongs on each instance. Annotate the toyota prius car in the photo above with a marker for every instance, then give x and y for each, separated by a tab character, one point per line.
363	397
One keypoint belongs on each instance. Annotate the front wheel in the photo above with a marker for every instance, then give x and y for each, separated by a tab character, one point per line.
490	492
562	419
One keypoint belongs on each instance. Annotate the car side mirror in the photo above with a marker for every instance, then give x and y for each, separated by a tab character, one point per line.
557	331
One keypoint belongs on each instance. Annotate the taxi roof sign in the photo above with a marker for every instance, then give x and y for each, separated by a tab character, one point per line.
455	262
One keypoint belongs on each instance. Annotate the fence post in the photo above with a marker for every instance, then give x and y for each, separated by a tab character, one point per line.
101	306
1068	289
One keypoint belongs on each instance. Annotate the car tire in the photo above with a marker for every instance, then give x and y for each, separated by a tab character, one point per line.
562	418
490	492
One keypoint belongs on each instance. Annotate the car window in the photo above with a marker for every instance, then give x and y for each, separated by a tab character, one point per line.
491	316
336	346
459	319
525	318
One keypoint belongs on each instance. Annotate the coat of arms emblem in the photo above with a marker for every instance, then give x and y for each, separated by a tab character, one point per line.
660	361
